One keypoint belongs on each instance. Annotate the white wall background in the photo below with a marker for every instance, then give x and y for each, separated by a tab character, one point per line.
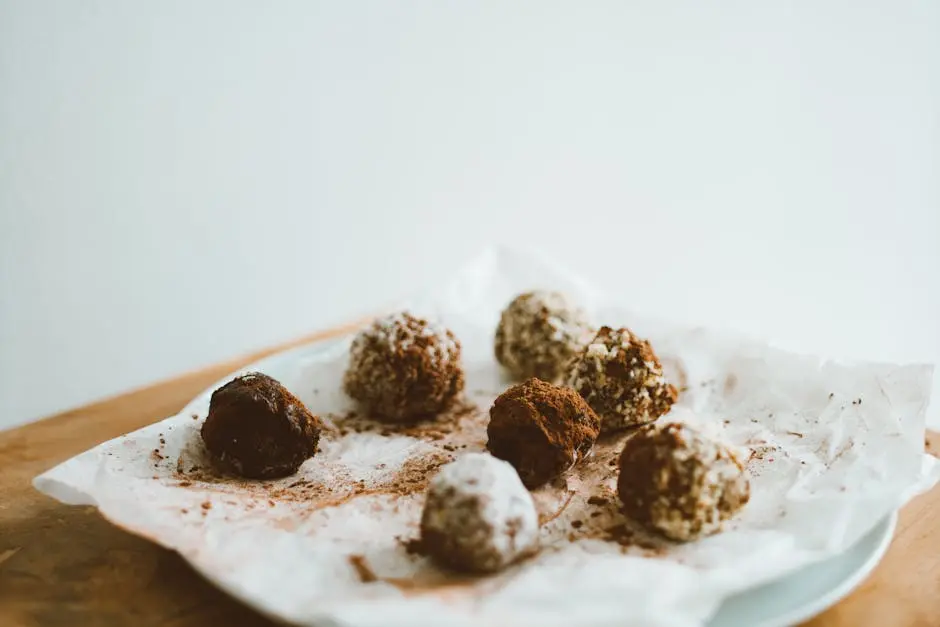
181	182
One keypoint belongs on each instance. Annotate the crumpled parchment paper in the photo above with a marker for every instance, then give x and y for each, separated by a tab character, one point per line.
833	448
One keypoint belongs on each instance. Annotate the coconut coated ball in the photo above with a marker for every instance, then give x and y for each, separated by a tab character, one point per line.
679	482
539	333
402	368
621	378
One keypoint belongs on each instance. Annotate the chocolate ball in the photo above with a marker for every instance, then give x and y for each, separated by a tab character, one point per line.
541	429
539	333
679	482
478	517
257	429
403	368
620	377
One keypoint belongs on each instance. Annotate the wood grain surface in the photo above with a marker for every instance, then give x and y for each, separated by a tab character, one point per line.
64	565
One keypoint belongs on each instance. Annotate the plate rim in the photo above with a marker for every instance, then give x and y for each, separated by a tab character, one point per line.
845	587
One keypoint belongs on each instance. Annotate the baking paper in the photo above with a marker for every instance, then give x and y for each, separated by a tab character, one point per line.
833	448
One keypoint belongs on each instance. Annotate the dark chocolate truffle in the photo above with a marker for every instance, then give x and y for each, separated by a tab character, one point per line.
539	333
478	517
620	377
259	430
679	482
403	368
541	429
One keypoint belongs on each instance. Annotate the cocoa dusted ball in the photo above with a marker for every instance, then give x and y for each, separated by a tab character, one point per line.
402	368
620	377
259	430
478	517
541	429
539	333
679	482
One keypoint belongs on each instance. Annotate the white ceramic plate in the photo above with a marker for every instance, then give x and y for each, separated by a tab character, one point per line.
786	601
809	591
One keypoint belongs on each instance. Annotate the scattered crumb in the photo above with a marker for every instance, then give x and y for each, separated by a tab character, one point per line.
794	433
195	416
184	511
544	520
184	484
576	524
206	505
366	574
413	546
598	500
627	537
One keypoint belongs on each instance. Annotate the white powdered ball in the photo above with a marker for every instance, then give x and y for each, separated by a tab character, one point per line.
478	516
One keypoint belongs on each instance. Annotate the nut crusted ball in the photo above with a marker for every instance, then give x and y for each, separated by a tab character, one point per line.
679	482
257	429
620	377
403	368
539	333
541	429
478	517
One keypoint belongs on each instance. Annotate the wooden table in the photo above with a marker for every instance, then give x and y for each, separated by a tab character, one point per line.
62	565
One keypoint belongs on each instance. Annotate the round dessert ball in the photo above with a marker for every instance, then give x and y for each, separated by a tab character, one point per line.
259	430
539	333
541	429
679	482
620	377
402	368
478	517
